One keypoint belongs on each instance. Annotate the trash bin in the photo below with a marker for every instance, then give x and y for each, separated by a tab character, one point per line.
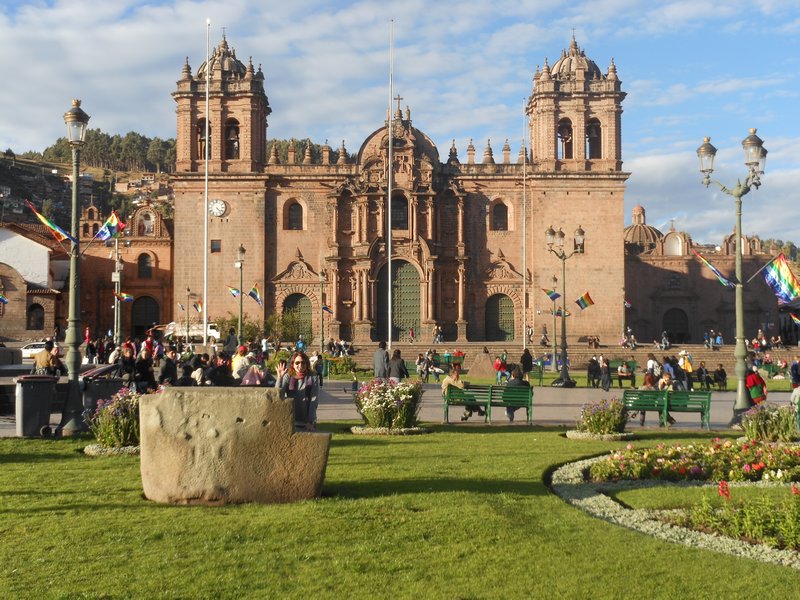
326	365
101	388
35	395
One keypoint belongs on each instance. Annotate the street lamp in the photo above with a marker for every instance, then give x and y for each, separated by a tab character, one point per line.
188	296
556	238
239	264
71	417
553	365
755	158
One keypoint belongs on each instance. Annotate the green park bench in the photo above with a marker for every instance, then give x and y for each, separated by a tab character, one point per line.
646	400
475	397
688	402
512	396
614	365
664	402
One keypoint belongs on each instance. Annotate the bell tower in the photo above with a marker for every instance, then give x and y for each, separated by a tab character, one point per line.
575	115
237	119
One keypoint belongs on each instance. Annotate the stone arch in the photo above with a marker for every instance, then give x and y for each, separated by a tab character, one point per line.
594	139
232	139
566	137
500	215
145	265
499	321
676	323
145	313
295	215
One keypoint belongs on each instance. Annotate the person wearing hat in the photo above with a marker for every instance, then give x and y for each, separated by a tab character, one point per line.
756	386
685	363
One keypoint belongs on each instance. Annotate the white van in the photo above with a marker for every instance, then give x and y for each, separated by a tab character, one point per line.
195	331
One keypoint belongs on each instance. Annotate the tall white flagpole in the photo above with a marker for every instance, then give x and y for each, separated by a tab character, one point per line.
205	191
389	185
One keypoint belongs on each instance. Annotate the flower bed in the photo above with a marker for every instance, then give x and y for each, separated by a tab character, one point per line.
386	404
115	422
603	417
715	461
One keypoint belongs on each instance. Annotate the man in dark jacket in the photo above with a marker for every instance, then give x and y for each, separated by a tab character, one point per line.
380	361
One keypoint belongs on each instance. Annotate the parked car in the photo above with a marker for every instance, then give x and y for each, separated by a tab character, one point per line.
32	349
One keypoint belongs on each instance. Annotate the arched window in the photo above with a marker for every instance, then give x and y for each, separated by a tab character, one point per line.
499	217
90	214
201	139
399	212
85	230
673	246
145	263
35	317
294	216
594	145
232	139
565	139
95	228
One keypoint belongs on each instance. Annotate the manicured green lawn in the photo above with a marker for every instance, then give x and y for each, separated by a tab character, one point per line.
461	513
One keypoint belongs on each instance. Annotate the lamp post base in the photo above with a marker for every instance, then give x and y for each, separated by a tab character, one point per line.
564	383
736	420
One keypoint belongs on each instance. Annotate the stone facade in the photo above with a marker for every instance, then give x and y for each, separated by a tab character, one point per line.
463	233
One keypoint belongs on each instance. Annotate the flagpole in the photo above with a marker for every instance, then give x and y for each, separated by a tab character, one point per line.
389	186
205	189
117	290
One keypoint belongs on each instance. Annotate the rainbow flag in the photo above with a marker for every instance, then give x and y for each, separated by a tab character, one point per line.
327	309
795	318
198	306
3	299
57	232
557	312
253	293
780	278
123	297
552	294
584	301
724	281
182	306
111	228
234	292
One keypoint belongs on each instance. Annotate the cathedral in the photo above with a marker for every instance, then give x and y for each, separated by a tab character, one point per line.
467	235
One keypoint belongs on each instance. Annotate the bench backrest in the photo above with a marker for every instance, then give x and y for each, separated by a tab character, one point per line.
638	399
516	394
684	399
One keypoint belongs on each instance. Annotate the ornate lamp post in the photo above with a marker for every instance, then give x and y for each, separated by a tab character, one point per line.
557	239
755	158
71	418
553	362
239	264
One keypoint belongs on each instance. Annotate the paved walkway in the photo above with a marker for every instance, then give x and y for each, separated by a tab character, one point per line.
551	407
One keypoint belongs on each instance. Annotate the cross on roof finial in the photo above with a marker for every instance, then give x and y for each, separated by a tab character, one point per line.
398	98
223	32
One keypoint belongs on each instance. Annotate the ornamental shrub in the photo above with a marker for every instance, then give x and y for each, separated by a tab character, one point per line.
341	365
603	417
383	403
115	422
767	422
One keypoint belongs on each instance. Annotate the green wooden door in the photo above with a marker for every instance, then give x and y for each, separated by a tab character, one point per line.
499	318
299	307
405	301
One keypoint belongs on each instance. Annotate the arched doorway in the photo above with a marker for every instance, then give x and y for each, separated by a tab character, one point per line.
144	315
499	318
35	317
297	318
405	301
676	324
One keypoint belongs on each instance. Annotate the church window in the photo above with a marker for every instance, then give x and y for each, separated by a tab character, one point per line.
499	217
594	146
673	246
565	139
35	316
85	230
399	212
216	246
232	139
95	228
90	214
201	139
145	264
294	217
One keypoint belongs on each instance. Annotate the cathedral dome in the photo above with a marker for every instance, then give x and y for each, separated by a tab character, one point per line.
224	59
640	238
572	60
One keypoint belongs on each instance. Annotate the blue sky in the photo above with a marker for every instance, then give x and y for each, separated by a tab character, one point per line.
690	69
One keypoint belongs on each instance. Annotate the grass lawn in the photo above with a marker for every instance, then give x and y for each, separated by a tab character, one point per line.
460	513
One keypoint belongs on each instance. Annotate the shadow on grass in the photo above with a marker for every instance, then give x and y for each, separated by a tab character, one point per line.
20	457
379	488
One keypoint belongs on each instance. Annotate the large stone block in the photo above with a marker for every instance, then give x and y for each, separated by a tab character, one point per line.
227	445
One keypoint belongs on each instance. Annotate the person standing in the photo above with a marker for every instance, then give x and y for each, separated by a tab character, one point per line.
526	364
380	361
231	343
794	371
411	335
397	367
605	374
756	386
297	381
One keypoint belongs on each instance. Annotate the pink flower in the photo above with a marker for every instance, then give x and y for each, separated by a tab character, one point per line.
724	490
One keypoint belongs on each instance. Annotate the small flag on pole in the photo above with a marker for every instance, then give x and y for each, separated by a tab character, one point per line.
198	306
57	232
3	299
123	297
111	228
780	278
552	294
626	302
584	301
253	293
720	277
327	309
234	292
557	312
182	306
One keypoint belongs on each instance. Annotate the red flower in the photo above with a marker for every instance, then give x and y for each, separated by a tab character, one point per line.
724	490
795	490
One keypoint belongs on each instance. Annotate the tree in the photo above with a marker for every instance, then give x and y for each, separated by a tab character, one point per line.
156	151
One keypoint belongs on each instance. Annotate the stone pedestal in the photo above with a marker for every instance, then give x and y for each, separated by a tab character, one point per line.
227	445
